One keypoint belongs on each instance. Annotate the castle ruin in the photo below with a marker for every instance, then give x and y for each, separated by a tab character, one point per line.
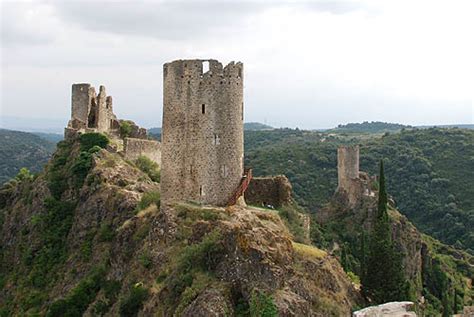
92	112
351	182
202	136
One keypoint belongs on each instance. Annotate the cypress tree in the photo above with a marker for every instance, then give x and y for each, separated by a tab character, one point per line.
383	280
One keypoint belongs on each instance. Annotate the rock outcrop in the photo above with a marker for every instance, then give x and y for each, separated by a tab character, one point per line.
393	309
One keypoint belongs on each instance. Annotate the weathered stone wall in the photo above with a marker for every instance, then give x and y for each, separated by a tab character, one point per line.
202	136
133	148
275	191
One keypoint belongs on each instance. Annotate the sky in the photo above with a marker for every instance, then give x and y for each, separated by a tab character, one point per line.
307	64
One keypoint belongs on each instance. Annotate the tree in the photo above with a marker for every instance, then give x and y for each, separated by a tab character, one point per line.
383	280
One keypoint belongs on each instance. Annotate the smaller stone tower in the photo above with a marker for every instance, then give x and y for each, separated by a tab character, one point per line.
348	173
347	165
91	112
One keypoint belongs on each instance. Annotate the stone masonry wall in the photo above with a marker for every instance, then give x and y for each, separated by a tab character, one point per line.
202	136
133	148
275	191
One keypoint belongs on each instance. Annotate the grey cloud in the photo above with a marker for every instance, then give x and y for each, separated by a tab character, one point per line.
15	29
179	20
162	20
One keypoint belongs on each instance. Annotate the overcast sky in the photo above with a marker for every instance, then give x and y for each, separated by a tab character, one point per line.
307	64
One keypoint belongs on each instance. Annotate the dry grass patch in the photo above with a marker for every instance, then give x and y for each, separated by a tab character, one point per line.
308	251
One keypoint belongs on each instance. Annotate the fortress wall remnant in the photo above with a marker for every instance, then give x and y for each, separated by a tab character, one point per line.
275	191
202	136
133	148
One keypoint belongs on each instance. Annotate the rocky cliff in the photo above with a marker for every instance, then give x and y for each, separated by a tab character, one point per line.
87	237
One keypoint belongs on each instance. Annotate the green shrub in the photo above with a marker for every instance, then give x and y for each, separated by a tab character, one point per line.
57	174
80	297
94	149
106	233
125	129
24	175
152	169
193	260
203	255
200	282
81	167
262	305
90	140
149	199
145	260
131	305
111	290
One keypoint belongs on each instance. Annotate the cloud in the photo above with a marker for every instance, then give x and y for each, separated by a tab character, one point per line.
169	20
307	64
26	23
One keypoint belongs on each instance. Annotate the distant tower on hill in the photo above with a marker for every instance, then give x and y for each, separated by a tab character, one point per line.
347	166
349	182
202	136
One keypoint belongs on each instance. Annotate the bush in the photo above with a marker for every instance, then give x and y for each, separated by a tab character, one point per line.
203	255
24	175
131	305
94	149
125	129
145	260
148	167
81	167
106	233
90	140
76	303
148	199
262	305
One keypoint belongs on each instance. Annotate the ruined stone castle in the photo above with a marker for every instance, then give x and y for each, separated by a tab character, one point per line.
202	135
92	112
352	183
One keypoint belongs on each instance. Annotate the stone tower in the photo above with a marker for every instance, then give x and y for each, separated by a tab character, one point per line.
91	112
347	165
202	136
348	173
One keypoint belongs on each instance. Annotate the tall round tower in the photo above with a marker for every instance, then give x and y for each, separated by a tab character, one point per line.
202	135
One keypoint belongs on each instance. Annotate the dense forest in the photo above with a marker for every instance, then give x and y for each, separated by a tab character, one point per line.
370	127
429	172
22	149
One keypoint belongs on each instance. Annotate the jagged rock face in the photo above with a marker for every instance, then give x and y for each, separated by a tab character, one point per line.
393	309
184	260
